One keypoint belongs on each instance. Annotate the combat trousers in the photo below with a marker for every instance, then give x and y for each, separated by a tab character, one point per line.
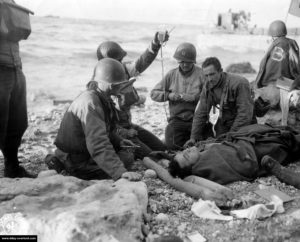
13	114
147	142
177	133
84	167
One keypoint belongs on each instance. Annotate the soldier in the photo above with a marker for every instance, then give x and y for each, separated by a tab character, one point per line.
145	141
281	59
13	106
230	94
86	140
181	87
252	151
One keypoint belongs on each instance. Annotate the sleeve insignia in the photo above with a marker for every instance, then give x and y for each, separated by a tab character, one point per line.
277	54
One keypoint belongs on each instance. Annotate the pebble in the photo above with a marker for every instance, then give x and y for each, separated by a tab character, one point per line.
37	132
145	229
216	233
296	214
47	173
182	227
162	218
261	186
147	217
159	190
150	174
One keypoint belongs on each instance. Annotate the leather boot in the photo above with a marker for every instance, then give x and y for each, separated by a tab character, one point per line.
17	171
54	163
283	174
11	163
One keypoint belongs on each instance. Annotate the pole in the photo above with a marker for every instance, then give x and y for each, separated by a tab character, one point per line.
287	14
162	69
162	74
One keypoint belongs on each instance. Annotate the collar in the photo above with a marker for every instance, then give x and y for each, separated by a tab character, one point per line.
220	83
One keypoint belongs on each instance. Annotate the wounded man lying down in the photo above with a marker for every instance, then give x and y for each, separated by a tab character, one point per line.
253	151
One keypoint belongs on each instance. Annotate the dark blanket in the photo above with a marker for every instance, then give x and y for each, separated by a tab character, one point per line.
238	155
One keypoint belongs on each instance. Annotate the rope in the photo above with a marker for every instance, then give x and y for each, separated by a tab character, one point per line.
163	74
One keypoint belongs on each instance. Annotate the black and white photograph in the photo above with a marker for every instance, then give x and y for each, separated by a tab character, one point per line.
149	120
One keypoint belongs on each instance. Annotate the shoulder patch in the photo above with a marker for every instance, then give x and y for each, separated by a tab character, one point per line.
277	54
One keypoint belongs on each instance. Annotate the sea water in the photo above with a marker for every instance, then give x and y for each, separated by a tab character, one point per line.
60	54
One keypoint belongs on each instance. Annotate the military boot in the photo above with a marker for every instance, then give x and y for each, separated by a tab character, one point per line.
53	163
11	165
283	174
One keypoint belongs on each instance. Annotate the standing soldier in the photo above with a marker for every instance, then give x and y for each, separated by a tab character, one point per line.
15	26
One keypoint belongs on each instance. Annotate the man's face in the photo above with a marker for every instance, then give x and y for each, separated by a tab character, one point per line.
186	66
187	157
212	75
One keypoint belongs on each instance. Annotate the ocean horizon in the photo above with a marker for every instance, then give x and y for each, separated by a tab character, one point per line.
60	54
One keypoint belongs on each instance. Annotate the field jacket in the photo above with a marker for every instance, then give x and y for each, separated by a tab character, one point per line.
238	156
281	60
9	51
86	131
177	82
233	97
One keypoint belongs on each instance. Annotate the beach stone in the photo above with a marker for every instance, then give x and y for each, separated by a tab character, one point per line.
162	218
150	174
64	208
296	214
47	173
243	67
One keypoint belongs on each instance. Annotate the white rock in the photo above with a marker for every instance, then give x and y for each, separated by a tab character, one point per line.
65	209
296	214
162	218
150	174
47	173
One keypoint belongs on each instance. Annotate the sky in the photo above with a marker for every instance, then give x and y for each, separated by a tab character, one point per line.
200	12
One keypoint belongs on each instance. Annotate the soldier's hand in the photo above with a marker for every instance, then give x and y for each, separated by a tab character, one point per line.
161	37
127	142
188	98
132	133
189	143
174	96
132	176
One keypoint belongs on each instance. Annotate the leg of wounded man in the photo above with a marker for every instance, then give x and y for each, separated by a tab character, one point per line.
283	174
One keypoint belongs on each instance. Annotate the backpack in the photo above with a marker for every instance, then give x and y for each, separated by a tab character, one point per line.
14	21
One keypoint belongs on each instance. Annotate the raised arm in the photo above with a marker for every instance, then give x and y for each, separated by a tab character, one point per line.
144	61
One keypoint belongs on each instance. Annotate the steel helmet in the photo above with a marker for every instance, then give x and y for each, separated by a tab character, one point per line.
185	52
110	49
277	29
109	70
